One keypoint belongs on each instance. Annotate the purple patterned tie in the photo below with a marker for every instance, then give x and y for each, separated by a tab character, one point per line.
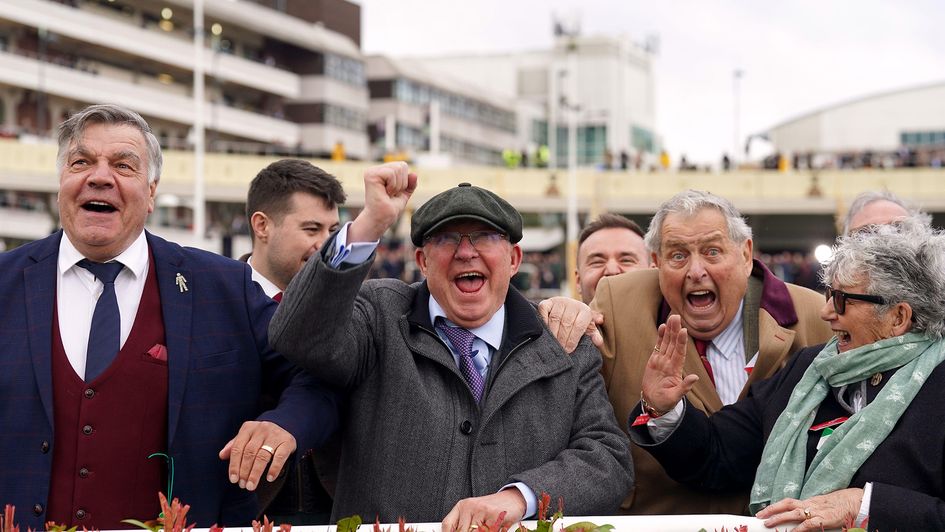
462	341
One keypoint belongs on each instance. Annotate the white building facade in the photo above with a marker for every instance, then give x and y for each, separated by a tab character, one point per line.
607	82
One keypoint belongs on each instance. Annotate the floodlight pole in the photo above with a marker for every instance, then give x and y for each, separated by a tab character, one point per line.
200	221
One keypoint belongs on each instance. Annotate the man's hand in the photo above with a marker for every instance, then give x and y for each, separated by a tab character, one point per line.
249	452
569	319
663	383
387	188
830	511
486	509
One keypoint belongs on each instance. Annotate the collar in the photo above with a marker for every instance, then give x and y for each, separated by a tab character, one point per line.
134	258
490	332
731	335
775	297
523	323
268	286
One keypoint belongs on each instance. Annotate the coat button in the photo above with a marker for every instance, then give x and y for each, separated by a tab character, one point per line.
80	514
87	430
38	509
89	393
44	447
466	427
84	472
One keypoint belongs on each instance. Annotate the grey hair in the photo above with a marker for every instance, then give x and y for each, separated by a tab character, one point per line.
71	130
903	262
871	196
688	203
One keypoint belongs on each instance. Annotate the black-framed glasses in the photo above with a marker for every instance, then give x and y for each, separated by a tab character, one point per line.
481	240
840	299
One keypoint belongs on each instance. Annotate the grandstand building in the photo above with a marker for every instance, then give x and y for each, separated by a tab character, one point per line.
282	76
607	82
904	127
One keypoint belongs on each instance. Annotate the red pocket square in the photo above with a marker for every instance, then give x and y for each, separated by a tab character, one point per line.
159	352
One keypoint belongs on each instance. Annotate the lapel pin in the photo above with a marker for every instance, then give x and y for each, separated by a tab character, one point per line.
181	282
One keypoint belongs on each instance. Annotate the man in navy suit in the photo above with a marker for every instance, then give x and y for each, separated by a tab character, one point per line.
116	344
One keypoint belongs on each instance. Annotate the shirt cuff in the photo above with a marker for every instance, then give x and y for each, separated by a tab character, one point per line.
864	505
355	253
531	501
661	427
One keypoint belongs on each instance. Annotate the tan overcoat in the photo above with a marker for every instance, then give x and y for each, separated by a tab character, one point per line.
631	304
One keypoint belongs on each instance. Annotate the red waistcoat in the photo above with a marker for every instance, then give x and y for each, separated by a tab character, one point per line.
105	430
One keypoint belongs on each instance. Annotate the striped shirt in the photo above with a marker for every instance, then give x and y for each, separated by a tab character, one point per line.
726	353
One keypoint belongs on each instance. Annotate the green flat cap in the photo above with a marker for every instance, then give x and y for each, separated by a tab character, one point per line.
465	202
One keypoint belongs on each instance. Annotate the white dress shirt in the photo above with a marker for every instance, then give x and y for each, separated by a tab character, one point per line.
268	287
726	354
77	292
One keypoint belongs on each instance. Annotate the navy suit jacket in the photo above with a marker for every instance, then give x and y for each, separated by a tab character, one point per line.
219	362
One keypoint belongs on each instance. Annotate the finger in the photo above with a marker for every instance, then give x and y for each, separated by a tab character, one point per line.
688	382
449	522
412	181
259	463
792	516
237	446
281	456
597	317
784	505
225	451
596	337
248	458
465	521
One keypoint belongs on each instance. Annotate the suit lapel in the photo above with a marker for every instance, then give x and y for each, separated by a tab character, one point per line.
40	285
774	342
177	310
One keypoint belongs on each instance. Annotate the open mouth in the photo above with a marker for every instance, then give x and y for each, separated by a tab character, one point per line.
469	282
99	206
843	337
701	299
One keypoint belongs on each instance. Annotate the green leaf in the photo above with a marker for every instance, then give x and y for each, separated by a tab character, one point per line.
587	526
153	528
349	524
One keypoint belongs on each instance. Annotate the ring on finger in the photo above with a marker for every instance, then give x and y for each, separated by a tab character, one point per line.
807	514
657	349
268	449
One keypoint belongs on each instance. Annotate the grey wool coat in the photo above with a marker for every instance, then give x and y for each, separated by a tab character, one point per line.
414	440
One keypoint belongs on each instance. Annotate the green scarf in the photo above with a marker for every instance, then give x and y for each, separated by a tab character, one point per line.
781	471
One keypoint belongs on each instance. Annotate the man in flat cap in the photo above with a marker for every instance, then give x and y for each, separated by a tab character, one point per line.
462	405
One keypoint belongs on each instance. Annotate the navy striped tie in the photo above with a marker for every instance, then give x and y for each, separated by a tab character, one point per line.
105	332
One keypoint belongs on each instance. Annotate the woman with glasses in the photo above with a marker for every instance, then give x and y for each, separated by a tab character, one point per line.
848	430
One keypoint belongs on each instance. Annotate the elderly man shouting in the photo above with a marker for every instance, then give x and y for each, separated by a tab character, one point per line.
462	404
743	323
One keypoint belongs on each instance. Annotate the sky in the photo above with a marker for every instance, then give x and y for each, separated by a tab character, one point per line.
796	56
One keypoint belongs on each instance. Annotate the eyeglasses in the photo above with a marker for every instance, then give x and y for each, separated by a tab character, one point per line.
481	240
840	299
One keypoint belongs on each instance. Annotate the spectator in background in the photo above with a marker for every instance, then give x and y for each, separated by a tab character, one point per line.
338	152
292	208
609	245
880	207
